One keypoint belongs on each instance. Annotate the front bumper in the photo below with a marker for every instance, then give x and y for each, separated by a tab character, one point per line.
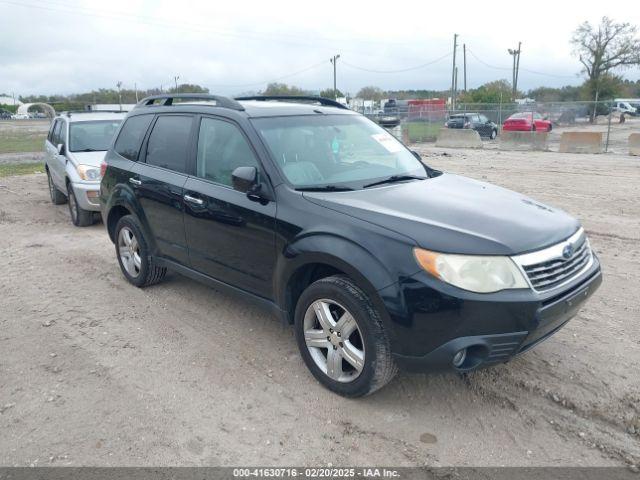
437	325
87	195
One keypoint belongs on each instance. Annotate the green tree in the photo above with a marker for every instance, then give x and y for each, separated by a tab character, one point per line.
188	88
371	93
603	49
493	92
328	93
283	89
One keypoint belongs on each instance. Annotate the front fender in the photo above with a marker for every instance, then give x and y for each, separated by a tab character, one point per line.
361	265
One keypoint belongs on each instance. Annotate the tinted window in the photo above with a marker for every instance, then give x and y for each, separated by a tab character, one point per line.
57	134
92	136
169	142
131	135
54	124
221	149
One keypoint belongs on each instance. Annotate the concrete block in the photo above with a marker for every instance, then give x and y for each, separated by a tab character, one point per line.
458	138
523	140
581	142
634	144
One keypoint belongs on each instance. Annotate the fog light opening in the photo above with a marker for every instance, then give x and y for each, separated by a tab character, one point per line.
459	358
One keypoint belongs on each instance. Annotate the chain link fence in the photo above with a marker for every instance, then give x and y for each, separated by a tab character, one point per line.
421	123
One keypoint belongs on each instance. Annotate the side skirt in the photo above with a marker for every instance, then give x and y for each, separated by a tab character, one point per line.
224	287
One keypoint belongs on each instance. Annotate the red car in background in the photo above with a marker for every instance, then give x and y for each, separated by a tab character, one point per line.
527	122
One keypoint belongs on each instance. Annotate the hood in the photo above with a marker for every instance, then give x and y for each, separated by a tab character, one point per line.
455	214
88	158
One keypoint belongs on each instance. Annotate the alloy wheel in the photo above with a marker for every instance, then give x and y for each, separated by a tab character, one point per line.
129	251
334	340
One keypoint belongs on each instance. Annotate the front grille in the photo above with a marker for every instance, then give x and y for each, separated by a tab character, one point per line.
555	270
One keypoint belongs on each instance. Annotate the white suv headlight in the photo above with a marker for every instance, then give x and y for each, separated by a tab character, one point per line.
87	172
476	273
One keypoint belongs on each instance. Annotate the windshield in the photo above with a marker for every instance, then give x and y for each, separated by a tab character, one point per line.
339	150
92	136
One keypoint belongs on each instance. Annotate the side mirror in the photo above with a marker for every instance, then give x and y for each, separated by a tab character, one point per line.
244	179
60	148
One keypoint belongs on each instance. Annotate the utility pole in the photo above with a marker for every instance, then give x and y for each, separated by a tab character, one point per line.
516	65
119	85
175	79
464	67
453	72
135	87
455	83
334	60
515	87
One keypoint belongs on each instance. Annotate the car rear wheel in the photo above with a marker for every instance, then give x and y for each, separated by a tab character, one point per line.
494	134
79	216
134	257
57	197
341	338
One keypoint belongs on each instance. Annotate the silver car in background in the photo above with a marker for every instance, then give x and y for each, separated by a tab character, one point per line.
74	149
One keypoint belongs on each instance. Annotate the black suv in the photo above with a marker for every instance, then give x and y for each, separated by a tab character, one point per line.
475	121
322	216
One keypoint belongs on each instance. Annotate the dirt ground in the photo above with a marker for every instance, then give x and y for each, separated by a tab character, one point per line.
96	372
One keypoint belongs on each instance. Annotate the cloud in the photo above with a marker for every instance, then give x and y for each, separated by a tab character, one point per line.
65	46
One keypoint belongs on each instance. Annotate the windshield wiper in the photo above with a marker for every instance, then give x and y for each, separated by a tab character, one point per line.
324	188
395	178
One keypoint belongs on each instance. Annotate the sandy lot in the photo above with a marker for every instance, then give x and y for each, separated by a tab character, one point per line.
96	372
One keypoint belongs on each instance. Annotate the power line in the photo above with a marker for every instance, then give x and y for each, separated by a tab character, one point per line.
417	67
521	68
283	77
188	26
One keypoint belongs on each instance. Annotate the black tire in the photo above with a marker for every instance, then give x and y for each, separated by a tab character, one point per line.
533	128
57	197
379	367
149	273
79	216
550	128
493	134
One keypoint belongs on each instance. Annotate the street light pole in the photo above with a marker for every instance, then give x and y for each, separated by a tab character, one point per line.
453	72
119	85
175	79
334	60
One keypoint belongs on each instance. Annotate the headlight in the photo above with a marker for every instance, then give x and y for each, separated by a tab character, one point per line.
476	273
88	172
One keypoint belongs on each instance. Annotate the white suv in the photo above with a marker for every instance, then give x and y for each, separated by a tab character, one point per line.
74	149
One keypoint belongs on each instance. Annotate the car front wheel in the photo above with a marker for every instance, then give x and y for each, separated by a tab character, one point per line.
79	216
57	197
341	338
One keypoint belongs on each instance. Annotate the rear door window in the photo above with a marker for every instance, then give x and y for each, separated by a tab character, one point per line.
131	136
168	144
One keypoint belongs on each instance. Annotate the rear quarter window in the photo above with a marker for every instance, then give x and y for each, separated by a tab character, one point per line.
131	136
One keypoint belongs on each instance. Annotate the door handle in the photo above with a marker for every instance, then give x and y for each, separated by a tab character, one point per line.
194	200
135	181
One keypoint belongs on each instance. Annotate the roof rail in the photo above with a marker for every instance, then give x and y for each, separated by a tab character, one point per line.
224	102
68	113
327	102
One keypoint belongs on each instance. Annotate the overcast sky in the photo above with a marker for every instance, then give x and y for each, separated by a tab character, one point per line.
234	46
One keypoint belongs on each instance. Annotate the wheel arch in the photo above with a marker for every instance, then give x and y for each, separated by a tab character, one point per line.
320	256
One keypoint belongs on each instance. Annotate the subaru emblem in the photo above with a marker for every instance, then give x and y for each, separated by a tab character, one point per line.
567	251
